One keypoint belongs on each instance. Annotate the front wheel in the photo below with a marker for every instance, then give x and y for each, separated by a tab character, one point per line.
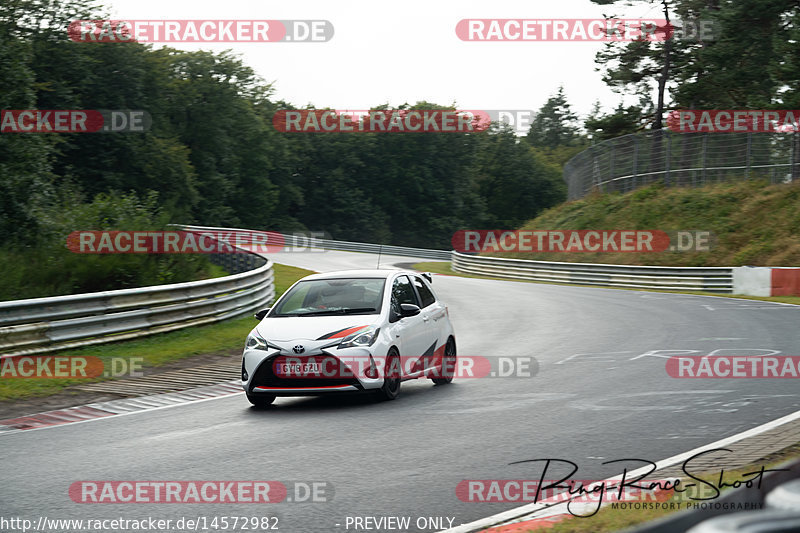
448	367
261	400
391	379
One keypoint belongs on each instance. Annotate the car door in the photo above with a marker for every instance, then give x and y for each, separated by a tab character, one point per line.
411	332
432	313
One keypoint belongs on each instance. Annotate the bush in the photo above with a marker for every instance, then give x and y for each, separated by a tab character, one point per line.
43	266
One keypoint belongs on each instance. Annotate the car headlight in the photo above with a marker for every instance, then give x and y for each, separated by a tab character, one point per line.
361	339
255	342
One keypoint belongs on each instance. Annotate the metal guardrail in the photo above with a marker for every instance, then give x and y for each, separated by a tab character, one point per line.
47	324
327	244
442	255
42	325
707	279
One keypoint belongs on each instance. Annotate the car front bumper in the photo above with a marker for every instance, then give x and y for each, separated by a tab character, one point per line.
340	371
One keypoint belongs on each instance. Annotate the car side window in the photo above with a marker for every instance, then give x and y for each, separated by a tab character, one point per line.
425	294
402	293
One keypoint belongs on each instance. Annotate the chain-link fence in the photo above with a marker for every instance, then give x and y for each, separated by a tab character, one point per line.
682	159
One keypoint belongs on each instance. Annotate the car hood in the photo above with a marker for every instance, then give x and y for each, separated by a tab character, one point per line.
316	328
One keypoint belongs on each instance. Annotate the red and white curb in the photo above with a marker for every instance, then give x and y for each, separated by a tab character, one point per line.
766	281
123	406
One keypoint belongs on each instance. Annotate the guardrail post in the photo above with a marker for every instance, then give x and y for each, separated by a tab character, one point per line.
705	154
611	161
635	159
667	155
747	155
595	170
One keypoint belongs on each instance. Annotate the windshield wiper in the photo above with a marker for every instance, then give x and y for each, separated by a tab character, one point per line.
338	311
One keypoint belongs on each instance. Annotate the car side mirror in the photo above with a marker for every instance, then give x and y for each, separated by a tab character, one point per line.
261	314
428	276
409	310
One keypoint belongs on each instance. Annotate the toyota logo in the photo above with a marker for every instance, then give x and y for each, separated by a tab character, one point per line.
298	349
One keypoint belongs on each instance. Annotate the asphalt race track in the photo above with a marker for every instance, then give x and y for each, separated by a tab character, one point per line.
601	393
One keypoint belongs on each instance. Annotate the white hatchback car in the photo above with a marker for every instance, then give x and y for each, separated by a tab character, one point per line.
349	331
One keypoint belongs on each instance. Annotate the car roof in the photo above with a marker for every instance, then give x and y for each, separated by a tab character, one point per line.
373	273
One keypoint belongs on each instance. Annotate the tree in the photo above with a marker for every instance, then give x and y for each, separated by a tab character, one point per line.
515	182
622	121
638	65
555	124
750	62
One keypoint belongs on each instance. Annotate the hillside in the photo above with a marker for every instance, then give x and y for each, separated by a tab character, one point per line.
753	223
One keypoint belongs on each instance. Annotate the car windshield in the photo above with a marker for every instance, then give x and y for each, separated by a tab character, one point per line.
357	296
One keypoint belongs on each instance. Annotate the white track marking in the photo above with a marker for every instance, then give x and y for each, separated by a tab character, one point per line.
520	512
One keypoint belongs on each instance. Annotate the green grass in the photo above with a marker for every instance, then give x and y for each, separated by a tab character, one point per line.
156	350
216	271
443	267
754	223
285	276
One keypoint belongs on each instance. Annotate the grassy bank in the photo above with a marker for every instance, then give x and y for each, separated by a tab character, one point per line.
753	223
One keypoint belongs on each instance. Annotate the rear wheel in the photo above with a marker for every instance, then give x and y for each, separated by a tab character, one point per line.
391	378
261	400
448	364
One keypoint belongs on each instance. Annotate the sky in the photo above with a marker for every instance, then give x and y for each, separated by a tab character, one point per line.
396	53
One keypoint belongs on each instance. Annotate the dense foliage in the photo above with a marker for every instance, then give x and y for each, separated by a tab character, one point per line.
725	54
214	158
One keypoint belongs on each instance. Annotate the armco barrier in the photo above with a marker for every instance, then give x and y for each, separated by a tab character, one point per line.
749	281
706	279
347	246
46	324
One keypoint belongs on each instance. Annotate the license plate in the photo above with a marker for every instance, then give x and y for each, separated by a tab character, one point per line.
297	369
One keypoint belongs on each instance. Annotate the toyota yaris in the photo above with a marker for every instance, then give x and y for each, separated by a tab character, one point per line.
349	331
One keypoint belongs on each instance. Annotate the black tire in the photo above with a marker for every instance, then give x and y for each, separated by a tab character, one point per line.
391	379
448	367
261	400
